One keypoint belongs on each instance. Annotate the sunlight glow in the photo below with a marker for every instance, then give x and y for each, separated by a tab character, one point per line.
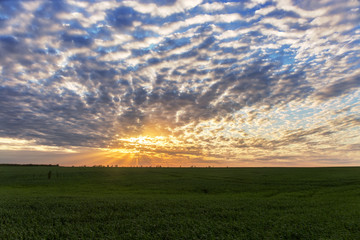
13	144
144	144
145	140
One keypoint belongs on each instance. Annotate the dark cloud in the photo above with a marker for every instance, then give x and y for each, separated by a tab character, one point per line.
123	17
160	2
191	53
153	61
207	42
8	40
59	120
339	88
131	121
77	40
225	61
8	9
139	52
48	9
9	44
279	14
140	96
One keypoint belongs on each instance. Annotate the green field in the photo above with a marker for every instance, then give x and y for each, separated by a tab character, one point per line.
179	203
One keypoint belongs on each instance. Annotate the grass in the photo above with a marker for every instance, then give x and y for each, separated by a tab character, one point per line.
179	203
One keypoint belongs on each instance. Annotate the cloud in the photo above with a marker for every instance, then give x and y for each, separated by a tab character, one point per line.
225	80
77	40
122	17
339	88
162	8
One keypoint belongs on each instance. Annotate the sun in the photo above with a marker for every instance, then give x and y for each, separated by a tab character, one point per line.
133	151
145	140
140	144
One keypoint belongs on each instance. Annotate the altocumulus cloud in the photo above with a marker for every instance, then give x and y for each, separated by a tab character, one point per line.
223	82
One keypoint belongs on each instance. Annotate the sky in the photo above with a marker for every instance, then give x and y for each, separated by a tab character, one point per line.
253	83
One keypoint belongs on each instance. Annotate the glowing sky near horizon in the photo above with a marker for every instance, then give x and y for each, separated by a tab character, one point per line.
178	82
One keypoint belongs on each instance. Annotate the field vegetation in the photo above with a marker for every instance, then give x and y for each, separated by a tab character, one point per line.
51	202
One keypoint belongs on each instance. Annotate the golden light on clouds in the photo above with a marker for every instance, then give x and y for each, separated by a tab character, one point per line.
183	83
14	144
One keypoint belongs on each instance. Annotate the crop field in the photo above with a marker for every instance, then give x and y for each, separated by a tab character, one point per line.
49	202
